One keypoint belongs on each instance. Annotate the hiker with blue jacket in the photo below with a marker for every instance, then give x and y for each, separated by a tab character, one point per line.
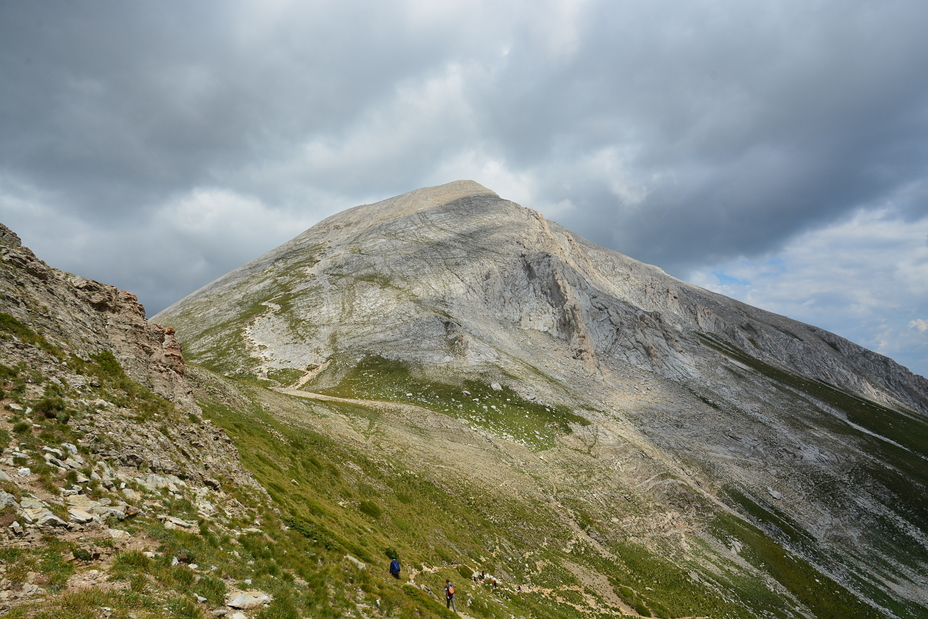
395	568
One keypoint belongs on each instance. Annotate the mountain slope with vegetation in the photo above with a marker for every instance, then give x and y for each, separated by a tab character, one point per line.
447	378
683	399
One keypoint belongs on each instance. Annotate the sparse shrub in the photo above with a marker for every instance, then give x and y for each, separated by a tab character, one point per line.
16	328
78	604
4	439
282	607
131	561
50	486
47	435
7	373
42	468
184	608
55	568
371	509
138	583
444	555
660	610
82	554
212	588
53	390
183	575
642	610
22	427
49	406
108	365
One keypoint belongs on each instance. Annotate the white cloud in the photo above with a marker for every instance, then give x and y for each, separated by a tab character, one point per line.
213	212
863	278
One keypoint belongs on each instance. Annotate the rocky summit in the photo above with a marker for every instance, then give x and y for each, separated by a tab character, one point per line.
448	378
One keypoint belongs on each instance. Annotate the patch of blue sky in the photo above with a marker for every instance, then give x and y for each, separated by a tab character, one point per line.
727	280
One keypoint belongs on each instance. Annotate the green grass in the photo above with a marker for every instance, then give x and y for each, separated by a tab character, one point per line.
328	497
502	412
373	508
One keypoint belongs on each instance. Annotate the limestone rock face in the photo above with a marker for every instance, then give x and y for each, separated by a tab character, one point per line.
86	317
688	393
455	276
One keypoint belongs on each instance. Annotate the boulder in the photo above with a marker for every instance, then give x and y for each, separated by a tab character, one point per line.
248	599
79	516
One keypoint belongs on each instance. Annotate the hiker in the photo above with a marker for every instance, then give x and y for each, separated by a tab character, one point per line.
449	596
395	568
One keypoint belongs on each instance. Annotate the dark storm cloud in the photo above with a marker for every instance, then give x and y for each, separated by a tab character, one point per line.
157	145
118	104
752	123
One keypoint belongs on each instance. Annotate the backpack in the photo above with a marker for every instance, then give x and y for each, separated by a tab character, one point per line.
394	567
450	589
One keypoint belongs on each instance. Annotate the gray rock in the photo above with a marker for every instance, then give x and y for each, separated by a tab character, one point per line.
7	500
249	599
170	522
50	459
30	502
50	520
79	516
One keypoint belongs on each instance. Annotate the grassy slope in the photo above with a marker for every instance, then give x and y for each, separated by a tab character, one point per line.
338	487
366	503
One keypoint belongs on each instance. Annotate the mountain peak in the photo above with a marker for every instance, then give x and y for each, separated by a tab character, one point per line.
407	204
429	296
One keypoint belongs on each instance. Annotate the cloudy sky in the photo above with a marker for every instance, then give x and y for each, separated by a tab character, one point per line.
775	151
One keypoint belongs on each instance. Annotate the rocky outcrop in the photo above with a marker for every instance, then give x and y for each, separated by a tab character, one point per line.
85	317
85	452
